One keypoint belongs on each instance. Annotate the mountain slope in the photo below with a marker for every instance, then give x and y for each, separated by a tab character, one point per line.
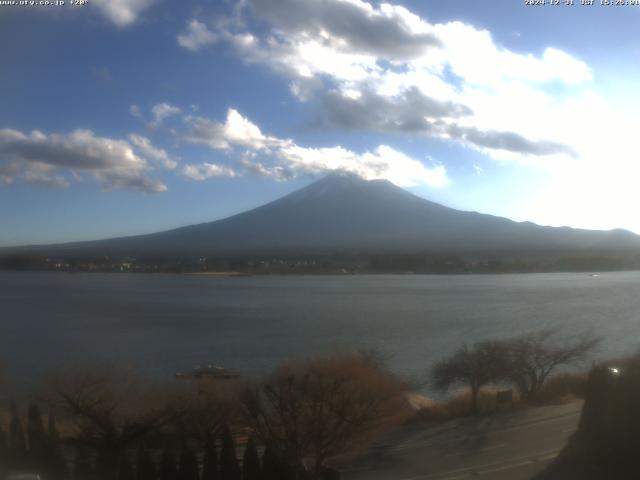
343	213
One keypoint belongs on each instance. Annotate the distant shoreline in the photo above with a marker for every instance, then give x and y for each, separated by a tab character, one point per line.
217	274
229	274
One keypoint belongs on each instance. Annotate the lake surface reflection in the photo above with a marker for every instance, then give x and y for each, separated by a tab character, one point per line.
167	323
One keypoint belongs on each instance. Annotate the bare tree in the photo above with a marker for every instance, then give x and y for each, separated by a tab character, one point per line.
310	412
475	367
534	356
110	410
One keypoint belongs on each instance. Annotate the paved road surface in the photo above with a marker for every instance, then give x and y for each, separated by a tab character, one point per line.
507	445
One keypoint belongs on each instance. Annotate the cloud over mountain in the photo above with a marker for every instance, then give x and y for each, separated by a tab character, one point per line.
253	152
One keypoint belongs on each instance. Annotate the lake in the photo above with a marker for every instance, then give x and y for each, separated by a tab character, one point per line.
169	323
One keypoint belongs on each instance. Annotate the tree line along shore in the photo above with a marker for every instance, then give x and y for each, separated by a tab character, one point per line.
501	262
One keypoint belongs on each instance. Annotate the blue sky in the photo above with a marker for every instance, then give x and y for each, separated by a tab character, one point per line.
131	116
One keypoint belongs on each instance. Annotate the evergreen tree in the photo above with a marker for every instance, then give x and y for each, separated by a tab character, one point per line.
274	467
146	467
83	466
125	470
188	464
168	469
18	447
251	462
36	439
55	467
229	466
106	467
35	426
52	428
269	465
210	467
4	454
330	474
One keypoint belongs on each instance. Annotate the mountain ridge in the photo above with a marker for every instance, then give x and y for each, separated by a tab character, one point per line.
342	213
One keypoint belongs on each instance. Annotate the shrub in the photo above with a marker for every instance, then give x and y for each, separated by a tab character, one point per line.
563	387
321	408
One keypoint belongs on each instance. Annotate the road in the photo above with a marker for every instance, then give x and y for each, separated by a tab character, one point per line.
513	445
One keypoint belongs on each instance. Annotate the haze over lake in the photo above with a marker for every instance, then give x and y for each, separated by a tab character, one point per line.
170	323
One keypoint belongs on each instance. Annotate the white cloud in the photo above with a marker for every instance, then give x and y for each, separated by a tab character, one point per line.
333	51
565	68
353	26
473	55
161	112
135	111
144	145
196	36
207	170
281	158
382	163
122	13
157	114
8	172
38	173
42	158
236	131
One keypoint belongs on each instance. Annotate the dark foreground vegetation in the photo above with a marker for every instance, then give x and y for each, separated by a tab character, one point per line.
307	418
606	444
111	424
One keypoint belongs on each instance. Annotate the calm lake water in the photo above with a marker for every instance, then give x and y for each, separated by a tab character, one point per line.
168	323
